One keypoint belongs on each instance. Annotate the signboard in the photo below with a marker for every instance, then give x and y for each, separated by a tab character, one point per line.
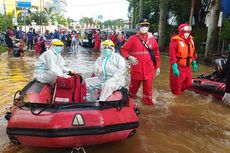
24	4
100	17
9	6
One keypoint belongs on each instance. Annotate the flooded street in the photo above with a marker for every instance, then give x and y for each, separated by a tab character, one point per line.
190	123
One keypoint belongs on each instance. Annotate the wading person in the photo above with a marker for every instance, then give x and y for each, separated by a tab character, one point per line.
9	36
182	55
97	41
142	51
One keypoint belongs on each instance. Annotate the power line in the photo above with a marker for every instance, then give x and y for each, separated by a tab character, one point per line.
93	4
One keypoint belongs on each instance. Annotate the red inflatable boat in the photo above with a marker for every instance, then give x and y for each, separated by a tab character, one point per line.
62	121
208	87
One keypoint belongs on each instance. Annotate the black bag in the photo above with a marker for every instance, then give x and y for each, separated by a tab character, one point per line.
150	52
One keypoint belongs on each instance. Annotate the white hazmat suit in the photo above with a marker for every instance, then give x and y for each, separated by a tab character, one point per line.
109	70
50	65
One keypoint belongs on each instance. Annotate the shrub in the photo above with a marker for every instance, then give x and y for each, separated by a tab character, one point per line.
225	31
200	36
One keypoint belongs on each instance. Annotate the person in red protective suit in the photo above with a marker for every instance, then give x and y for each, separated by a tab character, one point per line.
142	68
182	55
113	37
97	41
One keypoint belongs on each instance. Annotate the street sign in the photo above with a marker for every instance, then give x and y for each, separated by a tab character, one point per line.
100	17
23	4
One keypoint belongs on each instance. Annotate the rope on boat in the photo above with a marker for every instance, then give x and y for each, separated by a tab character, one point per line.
78	150
18	101
42	110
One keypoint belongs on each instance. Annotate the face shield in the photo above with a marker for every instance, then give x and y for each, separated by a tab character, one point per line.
185	31
57	49
107	48
57	46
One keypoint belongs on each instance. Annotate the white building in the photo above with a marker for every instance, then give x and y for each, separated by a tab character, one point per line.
59	5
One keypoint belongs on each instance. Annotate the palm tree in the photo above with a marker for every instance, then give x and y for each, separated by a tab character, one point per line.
69	22
48	12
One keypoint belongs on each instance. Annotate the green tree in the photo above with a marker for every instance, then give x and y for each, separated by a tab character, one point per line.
69	22
48	13
5	21
181	9
211	41
225	32
162	23
117	22
86	20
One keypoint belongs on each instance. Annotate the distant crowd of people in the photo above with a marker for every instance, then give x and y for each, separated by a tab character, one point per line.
37	41
117	38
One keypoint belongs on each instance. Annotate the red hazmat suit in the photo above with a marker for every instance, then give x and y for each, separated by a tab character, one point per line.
113	37
144	70
180	49
97	43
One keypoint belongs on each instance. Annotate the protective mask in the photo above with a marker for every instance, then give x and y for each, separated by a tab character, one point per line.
57	49
186	35
107	52
144	29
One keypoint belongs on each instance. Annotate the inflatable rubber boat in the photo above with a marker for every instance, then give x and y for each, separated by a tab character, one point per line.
206	86
59	118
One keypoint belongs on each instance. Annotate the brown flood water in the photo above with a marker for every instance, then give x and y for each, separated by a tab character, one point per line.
190	123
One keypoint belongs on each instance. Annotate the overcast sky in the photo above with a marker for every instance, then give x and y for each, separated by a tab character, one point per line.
109	9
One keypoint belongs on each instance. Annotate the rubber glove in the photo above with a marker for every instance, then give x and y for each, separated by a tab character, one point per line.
133	60
65	75
195	66
157	72
226	99
72	72
175	69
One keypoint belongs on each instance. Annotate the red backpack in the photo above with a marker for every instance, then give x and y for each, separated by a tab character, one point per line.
70	90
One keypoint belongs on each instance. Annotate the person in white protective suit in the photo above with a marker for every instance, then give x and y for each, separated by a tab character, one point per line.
109	70
50	64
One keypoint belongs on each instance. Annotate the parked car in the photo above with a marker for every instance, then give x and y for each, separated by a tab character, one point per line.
86	37
129	32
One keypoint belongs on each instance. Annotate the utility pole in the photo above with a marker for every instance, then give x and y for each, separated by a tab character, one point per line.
15	13
4	6
192	12
40	19
141	9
